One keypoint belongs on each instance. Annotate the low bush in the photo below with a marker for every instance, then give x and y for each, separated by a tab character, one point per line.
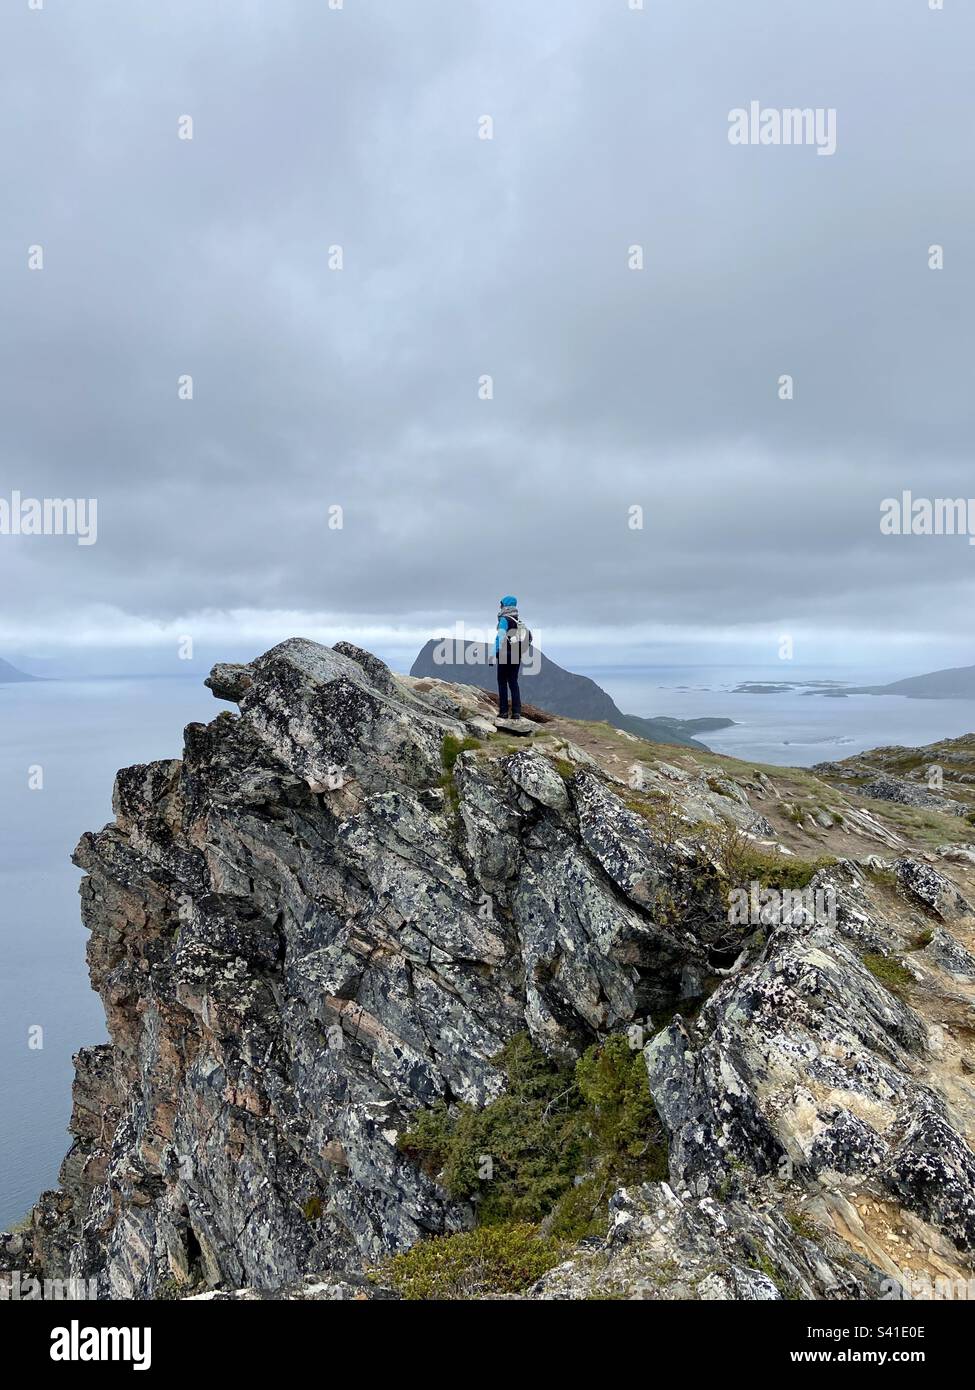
554	1146
483	1263
743	861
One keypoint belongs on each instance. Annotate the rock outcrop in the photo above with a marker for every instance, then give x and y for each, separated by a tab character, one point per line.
938	778
886	788
335	910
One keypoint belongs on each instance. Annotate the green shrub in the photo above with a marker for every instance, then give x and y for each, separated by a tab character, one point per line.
532	1134
559	1140
743	862
621	1117
625	1143
483	1263
661	814
429	1139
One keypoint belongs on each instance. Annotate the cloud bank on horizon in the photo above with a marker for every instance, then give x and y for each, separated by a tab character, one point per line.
489	385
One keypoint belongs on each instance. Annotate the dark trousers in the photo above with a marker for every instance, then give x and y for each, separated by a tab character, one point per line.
508	680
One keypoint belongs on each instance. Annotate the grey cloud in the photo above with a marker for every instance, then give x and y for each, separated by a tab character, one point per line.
507	257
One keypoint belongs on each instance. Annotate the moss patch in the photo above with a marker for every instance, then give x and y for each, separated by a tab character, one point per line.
891	974
801	1223
450	750
763	1262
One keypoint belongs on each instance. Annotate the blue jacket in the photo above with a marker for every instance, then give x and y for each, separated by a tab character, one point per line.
506	619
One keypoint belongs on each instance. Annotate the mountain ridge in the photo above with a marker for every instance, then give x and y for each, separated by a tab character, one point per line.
950	683
10	674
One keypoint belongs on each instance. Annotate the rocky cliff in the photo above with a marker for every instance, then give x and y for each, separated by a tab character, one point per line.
335	912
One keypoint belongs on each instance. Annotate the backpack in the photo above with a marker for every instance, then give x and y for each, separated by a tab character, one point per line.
518	638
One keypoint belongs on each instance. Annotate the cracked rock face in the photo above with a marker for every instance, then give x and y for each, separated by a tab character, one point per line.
662	1246
808	1066
306	930
886	788
299	942
926	886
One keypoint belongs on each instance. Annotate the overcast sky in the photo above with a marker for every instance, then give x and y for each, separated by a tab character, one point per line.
358	387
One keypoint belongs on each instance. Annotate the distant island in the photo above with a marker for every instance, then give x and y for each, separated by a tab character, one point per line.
954	683
10	673
557	690
782	687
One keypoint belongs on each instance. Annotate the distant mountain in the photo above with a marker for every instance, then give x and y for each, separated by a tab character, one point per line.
10	673
955	683
559	691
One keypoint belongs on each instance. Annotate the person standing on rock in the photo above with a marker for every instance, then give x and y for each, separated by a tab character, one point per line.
512	639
